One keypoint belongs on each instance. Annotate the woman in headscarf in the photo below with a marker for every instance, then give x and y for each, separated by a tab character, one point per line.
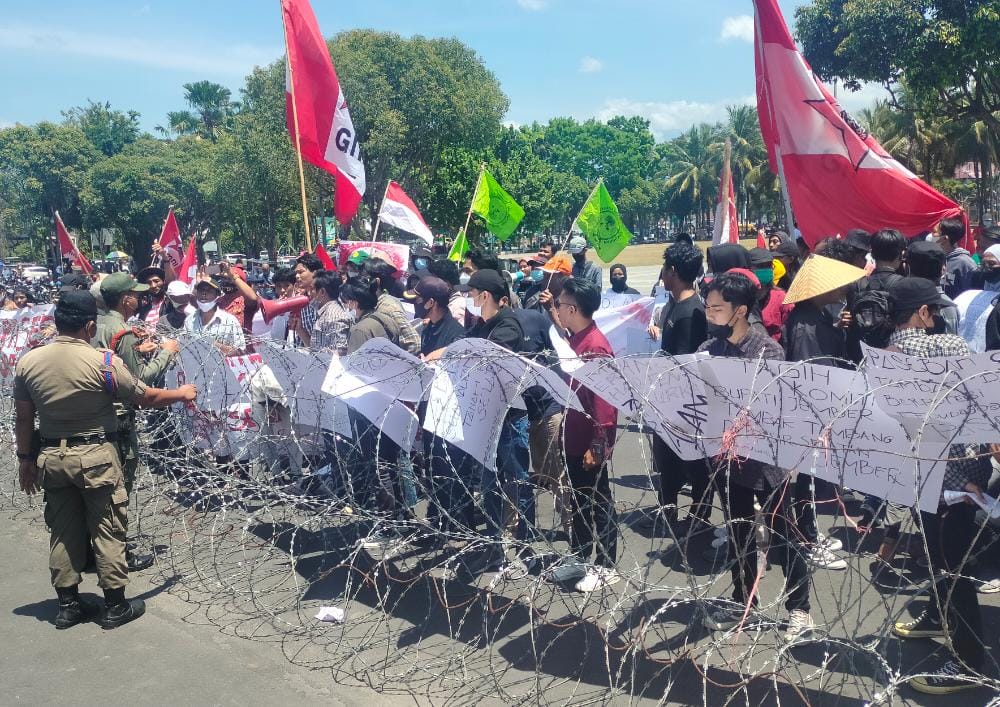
619	294
987	277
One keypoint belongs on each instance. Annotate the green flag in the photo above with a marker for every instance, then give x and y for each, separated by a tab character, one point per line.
498	208
459	248
600	222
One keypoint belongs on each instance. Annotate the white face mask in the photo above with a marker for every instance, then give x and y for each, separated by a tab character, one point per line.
473	308
207	306
464	278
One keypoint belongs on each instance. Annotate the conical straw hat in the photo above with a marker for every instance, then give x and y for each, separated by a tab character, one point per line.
819	275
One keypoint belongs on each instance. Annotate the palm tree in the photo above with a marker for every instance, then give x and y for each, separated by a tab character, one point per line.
748	150
211	102
692	170
180	122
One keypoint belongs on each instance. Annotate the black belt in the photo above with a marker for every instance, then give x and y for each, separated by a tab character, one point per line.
79	441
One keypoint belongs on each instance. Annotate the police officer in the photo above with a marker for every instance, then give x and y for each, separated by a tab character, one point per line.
144	359
72	389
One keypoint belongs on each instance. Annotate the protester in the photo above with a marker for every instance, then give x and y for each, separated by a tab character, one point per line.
447	270
21	298
869	295
619	284
960	265
152	305
179	305
589	444
383	276
547	249
786	253
582	268
305	266
860	242
729	301
987	276
333	320
952	530
682	330
224	328
926	259
771	307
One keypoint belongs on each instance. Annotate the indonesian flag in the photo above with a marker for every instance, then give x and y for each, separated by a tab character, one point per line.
326	136
837	175
399	210
761	238
324	257
188	267
726	221
170	241
69	250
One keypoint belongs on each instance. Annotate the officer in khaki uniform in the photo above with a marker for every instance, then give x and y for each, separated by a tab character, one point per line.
72	388
145	360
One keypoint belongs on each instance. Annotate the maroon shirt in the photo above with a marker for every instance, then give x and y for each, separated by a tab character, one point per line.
580	429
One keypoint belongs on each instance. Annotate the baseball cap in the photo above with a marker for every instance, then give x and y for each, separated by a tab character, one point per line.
74	281
358	257
911	293
859	240
209	282
489	281
576	245
431	287
77	303
119	283
924	251
761	258
177	288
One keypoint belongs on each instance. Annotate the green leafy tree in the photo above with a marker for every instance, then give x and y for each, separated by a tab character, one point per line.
107	129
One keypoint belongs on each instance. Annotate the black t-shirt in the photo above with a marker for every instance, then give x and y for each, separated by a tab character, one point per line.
538	347
683	326
437	336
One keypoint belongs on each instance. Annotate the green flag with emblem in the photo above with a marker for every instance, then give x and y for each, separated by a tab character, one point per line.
601	223
498	209
459	248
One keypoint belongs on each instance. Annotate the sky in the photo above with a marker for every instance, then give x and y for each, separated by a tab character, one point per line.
674	62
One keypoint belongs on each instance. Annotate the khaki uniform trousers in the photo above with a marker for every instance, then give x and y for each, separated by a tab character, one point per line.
85	500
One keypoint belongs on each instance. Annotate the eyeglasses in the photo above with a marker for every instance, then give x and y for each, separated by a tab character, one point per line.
559	304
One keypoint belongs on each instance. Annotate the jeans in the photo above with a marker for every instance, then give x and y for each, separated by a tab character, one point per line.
509	486
374	468
674	472
949	536
737	505
452	480
595	525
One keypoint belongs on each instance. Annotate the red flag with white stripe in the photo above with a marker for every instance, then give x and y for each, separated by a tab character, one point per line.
325	133
69	249
399	210
188	267
170	240
727	228
837	175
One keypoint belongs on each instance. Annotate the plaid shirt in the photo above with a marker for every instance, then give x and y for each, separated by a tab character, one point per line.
308	316
333	322
966	462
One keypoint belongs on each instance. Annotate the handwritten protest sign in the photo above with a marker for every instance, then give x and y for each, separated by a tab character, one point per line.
20	331
300	374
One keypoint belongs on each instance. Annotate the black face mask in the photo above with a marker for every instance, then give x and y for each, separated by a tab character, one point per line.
419	310
618	284
719	331
991	274
939	327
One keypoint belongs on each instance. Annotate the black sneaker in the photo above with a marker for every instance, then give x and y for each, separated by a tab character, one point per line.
924	626
122	613
138	561
950	679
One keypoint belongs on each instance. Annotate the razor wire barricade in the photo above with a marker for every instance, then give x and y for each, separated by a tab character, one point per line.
371	485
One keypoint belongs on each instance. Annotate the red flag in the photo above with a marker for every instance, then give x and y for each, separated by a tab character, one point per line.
170	240
326	135
69	250
188	267
324	257
399	210
727	229
761	238
837	175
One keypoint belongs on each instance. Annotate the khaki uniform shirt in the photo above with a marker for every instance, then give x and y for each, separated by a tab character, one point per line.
149	372
65	381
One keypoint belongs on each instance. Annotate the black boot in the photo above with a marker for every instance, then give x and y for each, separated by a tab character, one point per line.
72	610
118	610
137	560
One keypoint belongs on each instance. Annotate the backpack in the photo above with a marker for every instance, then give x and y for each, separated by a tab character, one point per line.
993	328
873	312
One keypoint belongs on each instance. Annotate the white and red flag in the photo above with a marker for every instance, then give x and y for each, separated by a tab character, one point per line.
69	249
399	210
170	241
727	229
188	267
837	175
316	104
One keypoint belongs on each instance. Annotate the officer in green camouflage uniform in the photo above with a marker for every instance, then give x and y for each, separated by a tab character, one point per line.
72	389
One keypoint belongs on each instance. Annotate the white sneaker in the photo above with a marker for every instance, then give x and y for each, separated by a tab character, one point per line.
566	571
800	624
831	544
598	578
991	586
821	557
720	531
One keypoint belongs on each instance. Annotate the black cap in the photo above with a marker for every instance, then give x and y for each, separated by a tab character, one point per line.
859	240
77	303
992	233
787	249
911	293
433	288
761	258
489	281
925	249
420	250
75	280
151	271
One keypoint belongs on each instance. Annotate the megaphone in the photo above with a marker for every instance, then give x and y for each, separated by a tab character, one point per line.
271	308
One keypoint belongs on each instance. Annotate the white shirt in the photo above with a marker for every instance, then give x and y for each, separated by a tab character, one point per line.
223	327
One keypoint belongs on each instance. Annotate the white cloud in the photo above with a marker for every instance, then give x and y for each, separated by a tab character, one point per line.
667	120
533	5
234	60
853	101
590	65
740	27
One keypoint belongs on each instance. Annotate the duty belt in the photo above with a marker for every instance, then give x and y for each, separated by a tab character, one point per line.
80	440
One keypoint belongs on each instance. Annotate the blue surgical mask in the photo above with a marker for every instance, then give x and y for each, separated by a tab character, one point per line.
537	275
420	263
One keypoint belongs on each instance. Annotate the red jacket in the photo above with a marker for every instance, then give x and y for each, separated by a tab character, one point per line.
775	313
603	417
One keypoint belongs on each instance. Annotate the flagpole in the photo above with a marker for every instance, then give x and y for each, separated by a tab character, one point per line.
58	244
155	262
593	191
468	217
378	219
298	145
